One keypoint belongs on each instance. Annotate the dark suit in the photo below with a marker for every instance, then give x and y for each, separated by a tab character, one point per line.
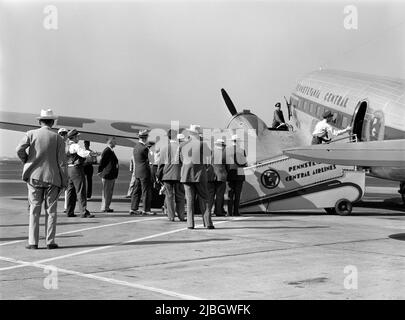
235	178
194	176
278	118
108	171
169	173
217	175
143	184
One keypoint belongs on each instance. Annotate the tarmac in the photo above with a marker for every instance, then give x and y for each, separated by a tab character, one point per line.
281	255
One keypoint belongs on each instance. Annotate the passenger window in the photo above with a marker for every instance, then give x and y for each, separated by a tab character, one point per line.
312	108
306	106
300	104
345	122
319	111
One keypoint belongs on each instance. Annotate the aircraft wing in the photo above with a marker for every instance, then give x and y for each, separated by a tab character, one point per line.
386	153
91	129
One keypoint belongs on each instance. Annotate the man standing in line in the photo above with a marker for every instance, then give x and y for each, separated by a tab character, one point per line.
133	179
217	175
143	184
169	173
192	155
76	189
236	176
45	174
88	168
108	172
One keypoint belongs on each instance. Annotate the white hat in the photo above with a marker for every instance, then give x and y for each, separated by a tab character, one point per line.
194	128
143	133
220	142
62	130
47	115
181	136
235	137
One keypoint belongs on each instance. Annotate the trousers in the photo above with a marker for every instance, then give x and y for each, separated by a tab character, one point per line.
199	189
36	197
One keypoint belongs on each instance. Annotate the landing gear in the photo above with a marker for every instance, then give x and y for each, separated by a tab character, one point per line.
402	191
343	207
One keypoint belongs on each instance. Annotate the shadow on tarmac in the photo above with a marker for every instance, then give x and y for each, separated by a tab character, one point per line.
26	237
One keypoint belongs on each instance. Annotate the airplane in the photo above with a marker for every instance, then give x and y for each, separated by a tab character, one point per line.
374	106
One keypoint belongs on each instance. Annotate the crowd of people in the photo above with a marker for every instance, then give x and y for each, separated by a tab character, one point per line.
189	174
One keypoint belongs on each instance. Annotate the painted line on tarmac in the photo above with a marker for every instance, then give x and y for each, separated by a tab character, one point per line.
116	245
90	228
103	279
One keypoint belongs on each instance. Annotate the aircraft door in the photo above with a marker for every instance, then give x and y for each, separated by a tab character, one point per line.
358	120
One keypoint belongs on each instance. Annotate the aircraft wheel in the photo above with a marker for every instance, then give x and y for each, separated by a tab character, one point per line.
330	210
343	207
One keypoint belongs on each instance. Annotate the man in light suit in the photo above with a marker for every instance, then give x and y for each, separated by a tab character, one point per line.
169	173
143	184
193	154
108	172
45	174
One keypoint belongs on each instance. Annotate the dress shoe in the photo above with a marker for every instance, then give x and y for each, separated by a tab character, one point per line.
148	213
71	215
171	219
134	212
190	227
87	214
52	246
107	210
210	227
32	246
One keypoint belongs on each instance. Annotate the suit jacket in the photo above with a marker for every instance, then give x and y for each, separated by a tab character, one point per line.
108	165
169	163
194	156
141	158
46	157
278	118
235	162
218	165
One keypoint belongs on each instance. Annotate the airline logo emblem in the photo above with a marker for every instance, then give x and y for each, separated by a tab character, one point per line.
270	179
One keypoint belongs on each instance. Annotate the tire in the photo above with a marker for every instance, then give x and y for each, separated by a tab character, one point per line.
343	207
330	210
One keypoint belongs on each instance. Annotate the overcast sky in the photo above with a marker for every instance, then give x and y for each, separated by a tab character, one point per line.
167	60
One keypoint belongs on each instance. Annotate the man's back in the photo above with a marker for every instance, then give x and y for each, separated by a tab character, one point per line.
141	158
193	154
46	156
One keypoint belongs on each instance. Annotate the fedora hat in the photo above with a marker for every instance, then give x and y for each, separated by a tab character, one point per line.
220	142
143	133
181	136
72	133
194	128
327	114
62	130
235	137
47	115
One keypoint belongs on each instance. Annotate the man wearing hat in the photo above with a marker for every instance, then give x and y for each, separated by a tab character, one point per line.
235	162
323	131
193	154
217	175
278	118
77	185
143	184
45	174
108	172
168	172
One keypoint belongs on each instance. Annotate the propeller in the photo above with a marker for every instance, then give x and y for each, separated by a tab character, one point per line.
228	102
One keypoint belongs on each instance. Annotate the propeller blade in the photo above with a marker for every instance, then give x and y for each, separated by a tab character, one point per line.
228	102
